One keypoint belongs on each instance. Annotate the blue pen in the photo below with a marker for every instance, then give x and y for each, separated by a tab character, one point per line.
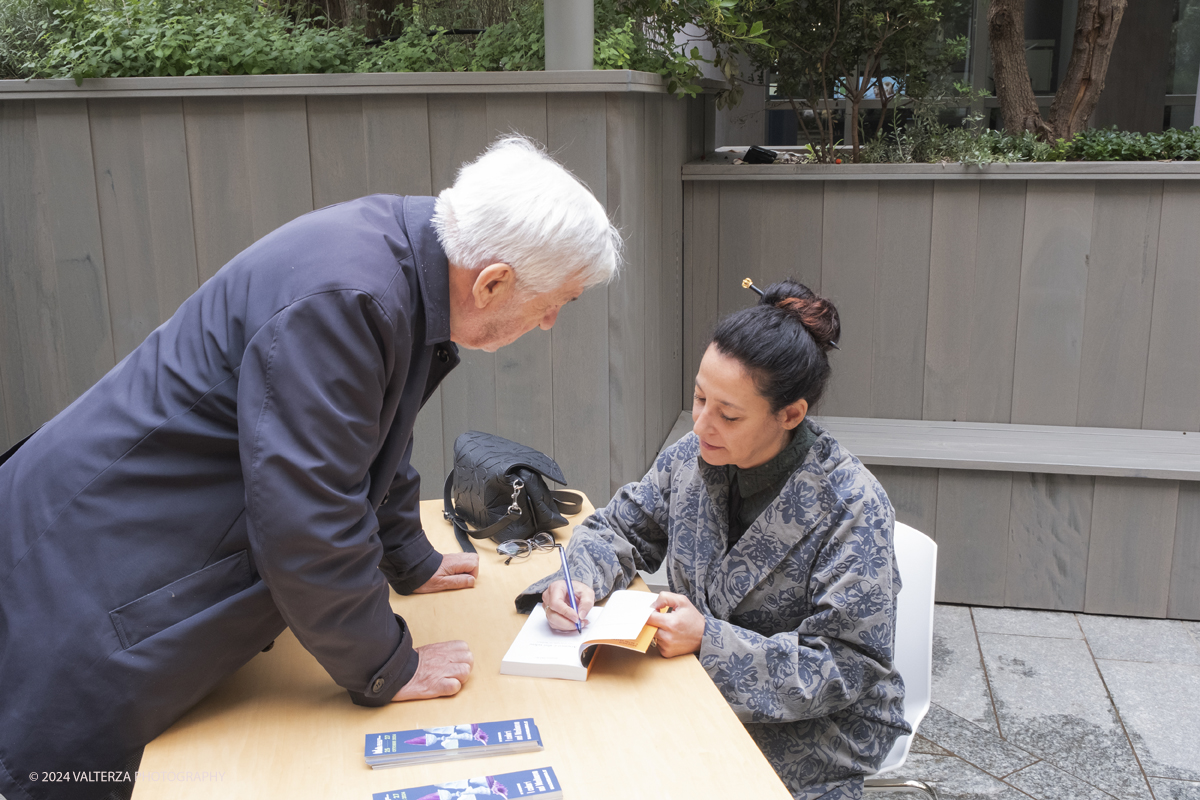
570	587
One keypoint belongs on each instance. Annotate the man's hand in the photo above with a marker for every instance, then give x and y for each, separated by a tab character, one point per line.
458	571
558	608
681	629
442	670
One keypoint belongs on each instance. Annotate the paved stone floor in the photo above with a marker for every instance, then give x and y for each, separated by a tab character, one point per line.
1057	706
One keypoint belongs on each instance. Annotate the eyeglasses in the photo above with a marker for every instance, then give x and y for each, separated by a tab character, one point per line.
521	548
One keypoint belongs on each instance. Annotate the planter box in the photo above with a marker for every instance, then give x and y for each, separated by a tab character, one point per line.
1040	294
120	196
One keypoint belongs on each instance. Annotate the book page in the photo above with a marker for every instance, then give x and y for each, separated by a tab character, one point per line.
625	615
538	643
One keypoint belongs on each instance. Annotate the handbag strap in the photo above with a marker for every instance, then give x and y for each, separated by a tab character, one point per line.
569	503
461	531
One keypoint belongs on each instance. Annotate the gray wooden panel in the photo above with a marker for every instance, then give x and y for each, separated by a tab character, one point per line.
81	291
901	297
337	144
517	113
848	269
1058	227
651	222
951	284
972	536
1120	293
1129	556
458	133
701	263
35	380
524	378
913	492
994	301
428	456
576	133
1172	399
222	213
1050	523
674	155
397	137
1183	602
626	169
7	439
769	232
278	162
248	165
145	214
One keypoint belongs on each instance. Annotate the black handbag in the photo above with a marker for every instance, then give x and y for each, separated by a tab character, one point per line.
498	490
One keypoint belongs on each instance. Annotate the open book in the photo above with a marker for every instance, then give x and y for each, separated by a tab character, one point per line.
540	652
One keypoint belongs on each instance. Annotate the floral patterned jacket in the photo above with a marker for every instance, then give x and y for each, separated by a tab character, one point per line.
800	612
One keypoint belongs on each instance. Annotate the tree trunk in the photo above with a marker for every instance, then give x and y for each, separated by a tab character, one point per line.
1006	35
377	22
1095	32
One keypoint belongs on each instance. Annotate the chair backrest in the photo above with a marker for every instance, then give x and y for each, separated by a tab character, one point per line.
916	557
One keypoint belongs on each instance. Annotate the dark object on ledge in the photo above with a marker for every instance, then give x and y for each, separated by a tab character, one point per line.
759	155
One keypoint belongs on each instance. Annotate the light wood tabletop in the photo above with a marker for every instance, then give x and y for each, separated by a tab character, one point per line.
640	726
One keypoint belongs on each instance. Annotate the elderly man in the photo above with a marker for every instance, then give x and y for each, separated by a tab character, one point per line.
247	468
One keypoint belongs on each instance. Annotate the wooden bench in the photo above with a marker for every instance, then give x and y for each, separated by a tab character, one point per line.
1100	520
1118	452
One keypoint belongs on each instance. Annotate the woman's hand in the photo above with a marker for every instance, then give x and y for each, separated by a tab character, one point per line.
680	628
559	613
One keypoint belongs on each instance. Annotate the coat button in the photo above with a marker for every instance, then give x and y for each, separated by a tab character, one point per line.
377	685
443	355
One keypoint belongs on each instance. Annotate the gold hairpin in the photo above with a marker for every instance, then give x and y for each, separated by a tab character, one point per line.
749	284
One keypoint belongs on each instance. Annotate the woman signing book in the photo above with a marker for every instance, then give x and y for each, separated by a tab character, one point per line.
778	546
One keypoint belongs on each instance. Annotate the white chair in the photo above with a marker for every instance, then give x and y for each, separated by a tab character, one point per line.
916	557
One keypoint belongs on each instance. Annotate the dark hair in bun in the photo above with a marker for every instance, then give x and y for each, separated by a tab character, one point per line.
782	342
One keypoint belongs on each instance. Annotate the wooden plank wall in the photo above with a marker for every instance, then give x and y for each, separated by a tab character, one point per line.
112	212
1040	302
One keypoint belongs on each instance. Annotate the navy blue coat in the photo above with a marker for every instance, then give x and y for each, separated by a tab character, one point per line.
245	469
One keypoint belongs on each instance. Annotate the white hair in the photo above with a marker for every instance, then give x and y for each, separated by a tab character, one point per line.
516	205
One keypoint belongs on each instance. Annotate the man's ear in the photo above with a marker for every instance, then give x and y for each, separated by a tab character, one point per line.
494	282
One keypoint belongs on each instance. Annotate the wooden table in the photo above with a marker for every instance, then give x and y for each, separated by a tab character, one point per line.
640	726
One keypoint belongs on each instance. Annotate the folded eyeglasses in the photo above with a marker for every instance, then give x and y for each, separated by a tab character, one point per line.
521	548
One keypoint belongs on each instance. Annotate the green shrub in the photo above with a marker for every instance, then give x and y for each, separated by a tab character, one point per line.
517	45
137	38
23	26
418	49
925	141
126	38
1109	144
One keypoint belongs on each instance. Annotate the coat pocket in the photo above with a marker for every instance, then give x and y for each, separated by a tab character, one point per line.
177	601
